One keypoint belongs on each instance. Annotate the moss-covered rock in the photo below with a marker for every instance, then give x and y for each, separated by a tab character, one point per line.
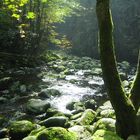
109	113
52	133
20	129
105	135
53	112
76	116
96	71
30	138
106	124
87	117
55	121
81	131
105	111
37	106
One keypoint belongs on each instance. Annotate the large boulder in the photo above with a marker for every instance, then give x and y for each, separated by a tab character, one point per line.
37	106
105	135
20	129
52	133
55	121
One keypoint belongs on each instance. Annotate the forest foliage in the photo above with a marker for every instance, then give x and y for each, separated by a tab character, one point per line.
27	27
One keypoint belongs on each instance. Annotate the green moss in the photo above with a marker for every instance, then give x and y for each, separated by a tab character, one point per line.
56	133
20	129
105	135
36	131
21	126
87	117
30	138
106	124
52	133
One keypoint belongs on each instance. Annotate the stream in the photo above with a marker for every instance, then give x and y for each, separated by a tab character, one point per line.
62	81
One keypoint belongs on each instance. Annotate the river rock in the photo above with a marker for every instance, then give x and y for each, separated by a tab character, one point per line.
105	135
123	76
3	100
37	106
106	124
53	133
76	116
75	106
5	83
53	112
81	131
20	129
108	113
90	104
107	105
3	133
23	88
87	118
70	105
60	121
47	93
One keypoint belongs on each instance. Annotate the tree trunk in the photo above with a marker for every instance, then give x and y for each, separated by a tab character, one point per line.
135	91
124	110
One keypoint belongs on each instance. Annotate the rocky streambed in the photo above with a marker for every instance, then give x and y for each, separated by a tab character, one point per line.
65	99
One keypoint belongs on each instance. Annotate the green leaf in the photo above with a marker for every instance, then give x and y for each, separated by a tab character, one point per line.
17	16
31	15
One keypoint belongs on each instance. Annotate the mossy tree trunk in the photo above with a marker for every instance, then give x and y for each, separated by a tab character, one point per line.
135	91
124	109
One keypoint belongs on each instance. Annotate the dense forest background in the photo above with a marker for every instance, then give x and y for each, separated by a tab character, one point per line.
82	30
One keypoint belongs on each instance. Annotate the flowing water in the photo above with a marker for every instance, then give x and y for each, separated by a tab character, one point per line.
74	91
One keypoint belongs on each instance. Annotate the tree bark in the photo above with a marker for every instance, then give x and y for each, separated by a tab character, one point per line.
135	91
124	109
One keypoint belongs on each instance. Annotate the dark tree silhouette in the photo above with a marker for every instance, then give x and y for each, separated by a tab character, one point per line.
125	108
